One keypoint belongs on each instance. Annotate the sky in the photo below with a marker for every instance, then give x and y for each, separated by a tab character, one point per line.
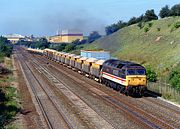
45	17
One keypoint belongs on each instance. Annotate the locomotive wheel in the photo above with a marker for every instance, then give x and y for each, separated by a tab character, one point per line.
126	93
122	90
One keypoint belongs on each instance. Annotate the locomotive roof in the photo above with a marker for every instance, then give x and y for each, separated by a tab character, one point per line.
119	63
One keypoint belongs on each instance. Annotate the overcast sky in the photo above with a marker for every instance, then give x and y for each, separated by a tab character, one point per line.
44	17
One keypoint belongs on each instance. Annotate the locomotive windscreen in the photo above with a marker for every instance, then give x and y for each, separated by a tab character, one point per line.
136	71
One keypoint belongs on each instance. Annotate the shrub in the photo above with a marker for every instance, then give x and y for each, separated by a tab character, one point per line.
151	74
146	29
177	24
169	25
8	106
158	29
150	24
69	47
140	25
174	78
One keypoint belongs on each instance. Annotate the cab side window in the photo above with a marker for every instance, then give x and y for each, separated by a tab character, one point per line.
122	73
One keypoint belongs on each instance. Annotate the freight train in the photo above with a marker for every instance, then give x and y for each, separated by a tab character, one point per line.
124	76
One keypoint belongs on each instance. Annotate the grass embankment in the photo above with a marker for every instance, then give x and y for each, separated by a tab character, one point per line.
9	105
159	47
155	44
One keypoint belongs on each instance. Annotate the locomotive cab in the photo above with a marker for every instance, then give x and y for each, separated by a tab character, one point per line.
136	79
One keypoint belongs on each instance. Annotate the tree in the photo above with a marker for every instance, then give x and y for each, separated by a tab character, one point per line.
121	24
174	78
42	43
93	36
140	18
69	47
111	29
150	15
58	47
115	27
151	75
140	25
84	41
175	10
5	47
76	42
164	12
133	20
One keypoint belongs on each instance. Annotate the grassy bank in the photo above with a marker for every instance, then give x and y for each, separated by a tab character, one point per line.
156	44
9	105
158	47
167	91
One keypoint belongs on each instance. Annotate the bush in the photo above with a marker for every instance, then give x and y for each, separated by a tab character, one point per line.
169	25
8	106
158	29
140	25
151	75
146	29
174	78
150	24
177	24
69	47
5	47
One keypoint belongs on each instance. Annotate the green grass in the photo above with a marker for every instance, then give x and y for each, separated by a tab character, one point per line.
9	106
158	48
9	96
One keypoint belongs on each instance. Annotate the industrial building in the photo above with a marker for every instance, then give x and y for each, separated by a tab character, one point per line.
66	36
14	38
100	55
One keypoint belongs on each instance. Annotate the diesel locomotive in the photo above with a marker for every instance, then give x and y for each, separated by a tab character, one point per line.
124	76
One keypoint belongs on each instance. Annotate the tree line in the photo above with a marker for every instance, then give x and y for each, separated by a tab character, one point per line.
43	43
148	16
5	47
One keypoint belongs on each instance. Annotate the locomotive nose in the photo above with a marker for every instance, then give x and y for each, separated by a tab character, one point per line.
136	80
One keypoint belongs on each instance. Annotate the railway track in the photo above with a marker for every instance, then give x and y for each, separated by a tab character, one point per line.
95	120
147	119
170	107
45	101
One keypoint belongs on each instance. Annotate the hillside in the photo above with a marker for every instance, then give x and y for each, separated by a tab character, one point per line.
159	48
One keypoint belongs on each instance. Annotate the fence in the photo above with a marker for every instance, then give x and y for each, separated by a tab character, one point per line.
166	90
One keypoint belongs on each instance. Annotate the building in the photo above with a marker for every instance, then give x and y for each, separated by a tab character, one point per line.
66	36
55	39
100	55
14	38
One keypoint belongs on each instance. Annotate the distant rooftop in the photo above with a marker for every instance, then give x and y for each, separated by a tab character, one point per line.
13	36
94	51
65	32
